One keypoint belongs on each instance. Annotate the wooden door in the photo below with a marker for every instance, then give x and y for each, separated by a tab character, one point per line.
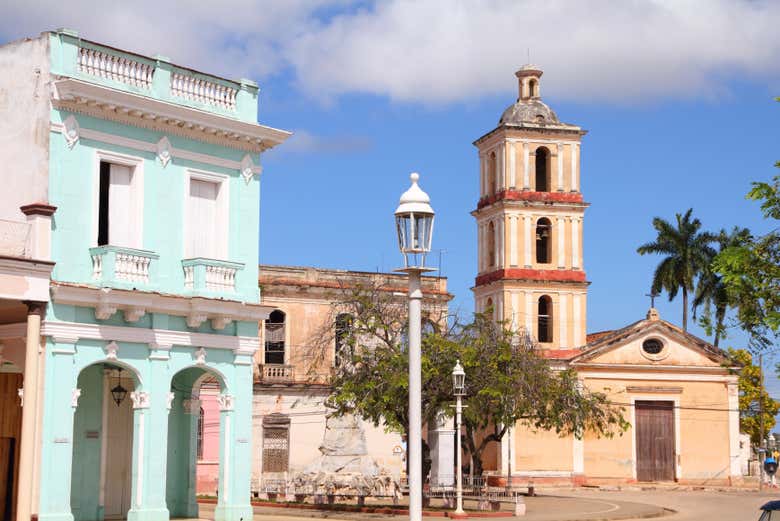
655	452
119	440
10	432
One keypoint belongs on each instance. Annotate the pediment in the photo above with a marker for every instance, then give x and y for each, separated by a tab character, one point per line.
626	347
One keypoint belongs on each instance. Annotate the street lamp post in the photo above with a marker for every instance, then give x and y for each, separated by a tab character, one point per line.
458	389
414	223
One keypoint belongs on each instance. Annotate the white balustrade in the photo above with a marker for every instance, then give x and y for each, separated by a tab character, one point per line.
189	277
117	68
220	278
203	91
133	268
277	373
97	266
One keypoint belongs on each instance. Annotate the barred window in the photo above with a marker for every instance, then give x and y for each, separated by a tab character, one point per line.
276	453
201	427
275	338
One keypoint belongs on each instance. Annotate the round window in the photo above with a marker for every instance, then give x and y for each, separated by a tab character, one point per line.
652	346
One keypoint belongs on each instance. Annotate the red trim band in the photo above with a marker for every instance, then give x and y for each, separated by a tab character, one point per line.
526	195
530	274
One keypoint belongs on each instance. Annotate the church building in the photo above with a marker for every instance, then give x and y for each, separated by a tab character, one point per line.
676	389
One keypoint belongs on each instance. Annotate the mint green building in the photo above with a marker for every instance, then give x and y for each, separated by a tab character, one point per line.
151	182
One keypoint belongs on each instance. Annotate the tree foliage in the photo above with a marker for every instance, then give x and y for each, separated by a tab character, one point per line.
751	272
753	396
508	381
687	253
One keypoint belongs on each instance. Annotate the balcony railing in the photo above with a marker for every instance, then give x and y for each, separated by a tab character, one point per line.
117	68
122	267
273	373
203	91
14	239
209	277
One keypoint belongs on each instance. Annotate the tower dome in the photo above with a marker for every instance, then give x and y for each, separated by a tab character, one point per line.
529	107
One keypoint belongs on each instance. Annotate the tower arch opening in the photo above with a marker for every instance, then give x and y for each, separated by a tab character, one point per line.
542	164
544	319
492	174
491	245
543	241
533	88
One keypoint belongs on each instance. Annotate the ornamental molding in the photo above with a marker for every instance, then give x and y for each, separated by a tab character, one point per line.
20	394
150	337
248	168
200	356
221	322
111	350
225	402
134	314
74	398
164	151
169	400
140	399
71	131
196	309
165	117
145	146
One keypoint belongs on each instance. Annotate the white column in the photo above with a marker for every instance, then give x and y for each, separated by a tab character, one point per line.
561	242
527	240
499	306
500	243
482	174
529	312
505	455
578	453
575	180
575	243
576	321
480	238
526	175
512	166
515	296
513	240
563	308
733	396
501	177
560	167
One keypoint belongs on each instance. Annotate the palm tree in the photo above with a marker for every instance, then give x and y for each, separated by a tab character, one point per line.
710	290
688	253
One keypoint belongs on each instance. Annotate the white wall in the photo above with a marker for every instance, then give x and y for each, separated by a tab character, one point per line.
24	125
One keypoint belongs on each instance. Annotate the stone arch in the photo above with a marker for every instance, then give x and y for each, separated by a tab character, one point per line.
544	241
544	319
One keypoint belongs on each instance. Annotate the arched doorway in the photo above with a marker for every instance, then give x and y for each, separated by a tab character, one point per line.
103	424
194	426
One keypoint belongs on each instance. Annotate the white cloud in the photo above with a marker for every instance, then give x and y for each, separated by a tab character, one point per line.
442	51
304	142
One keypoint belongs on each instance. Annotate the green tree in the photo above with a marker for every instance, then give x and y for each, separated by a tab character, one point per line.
508	380
687	253
753	397
711	292
751	272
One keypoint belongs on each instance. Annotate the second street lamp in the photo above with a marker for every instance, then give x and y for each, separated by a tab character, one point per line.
458	390
414	223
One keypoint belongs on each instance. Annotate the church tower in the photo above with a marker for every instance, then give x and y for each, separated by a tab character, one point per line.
529	221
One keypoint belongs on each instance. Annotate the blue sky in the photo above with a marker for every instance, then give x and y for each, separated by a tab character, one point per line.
677	98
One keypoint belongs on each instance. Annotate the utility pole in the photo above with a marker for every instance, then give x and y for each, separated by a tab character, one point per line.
762	442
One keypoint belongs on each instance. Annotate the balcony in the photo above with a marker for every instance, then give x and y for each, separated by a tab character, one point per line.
276	374
14	239
210	277
125	268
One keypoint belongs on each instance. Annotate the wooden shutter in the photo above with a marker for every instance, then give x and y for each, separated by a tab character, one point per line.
655	436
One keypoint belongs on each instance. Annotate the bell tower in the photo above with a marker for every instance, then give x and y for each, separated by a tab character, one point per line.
529	221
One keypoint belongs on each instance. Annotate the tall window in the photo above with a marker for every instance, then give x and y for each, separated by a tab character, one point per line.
545	319
275	337
343	335
116	206
201	430
276	443
533	88
203	218
491	174
491	245
542	169
543	241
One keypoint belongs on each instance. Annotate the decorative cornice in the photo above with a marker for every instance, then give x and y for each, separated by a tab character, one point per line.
225	402
531	274
74	330
38	209
111	350
140	399
124	107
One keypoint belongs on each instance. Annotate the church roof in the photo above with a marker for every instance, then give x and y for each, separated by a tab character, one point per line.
529	111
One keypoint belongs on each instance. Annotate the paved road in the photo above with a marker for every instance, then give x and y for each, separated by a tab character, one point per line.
584	505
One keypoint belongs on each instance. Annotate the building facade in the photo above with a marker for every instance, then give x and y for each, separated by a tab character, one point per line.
301	345
153	170
676	389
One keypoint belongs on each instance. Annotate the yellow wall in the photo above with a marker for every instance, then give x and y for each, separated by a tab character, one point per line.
542	450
